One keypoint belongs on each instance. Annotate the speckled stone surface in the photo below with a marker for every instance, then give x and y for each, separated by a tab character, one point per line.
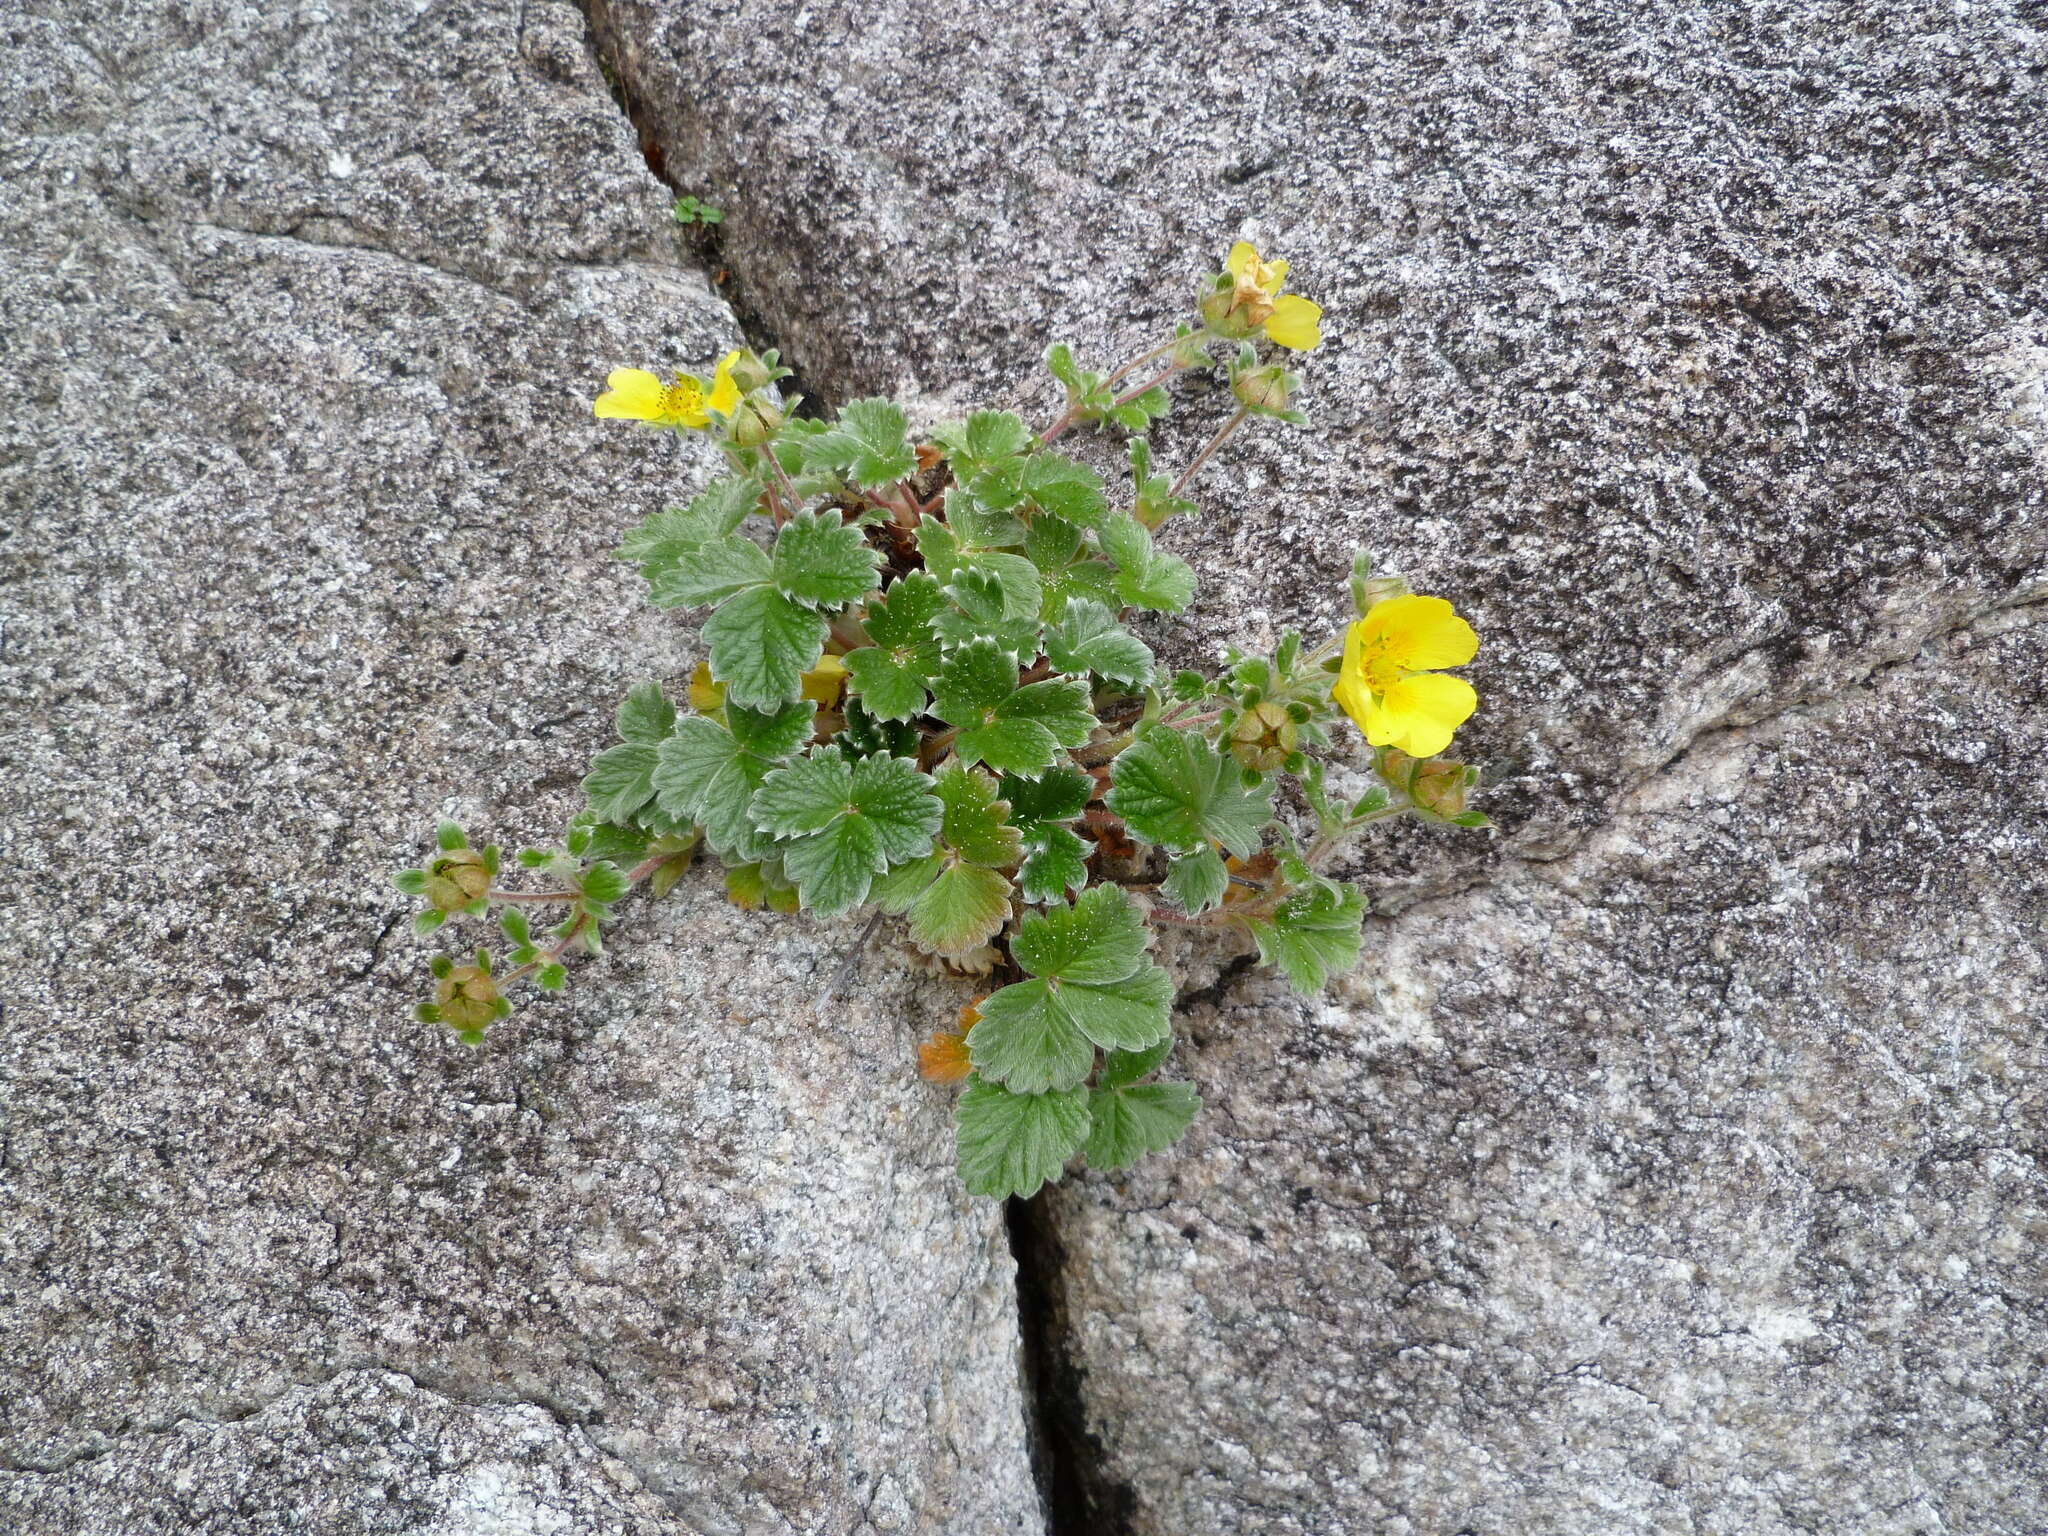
1675	1162
307	531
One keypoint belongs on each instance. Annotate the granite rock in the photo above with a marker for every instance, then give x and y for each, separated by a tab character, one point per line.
307	531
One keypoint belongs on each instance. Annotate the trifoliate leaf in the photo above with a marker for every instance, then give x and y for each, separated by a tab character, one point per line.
891	675
709	773
1012	1143
1059	362
1091	985
710	572
1195	882
1088	638
620	781
867	444
762	643
646	715
945	555
823	563
976	824
846	822
1172	788
1012	729
1141	410
963	908
1126	1123
1146	577
1313	935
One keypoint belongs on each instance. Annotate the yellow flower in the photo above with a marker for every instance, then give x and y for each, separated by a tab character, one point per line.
1386	685
633	394
1288	318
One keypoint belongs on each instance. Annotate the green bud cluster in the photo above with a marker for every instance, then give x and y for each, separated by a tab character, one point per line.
923	696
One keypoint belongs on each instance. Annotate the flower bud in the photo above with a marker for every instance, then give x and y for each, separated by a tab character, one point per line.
456	879
1437	788
1265	390
467	998
1264	737
755	420
1235	309
1369	591
749	372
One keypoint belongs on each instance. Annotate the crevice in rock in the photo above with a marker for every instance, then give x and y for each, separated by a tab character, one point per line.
1079	1495
708	241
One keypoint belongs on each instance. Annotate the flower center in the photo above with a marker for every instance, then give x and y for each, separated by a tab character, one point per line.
681	399
1381	670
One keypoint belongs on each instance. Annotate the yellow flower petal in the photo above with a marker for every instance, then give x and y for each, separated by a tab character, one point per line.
821	683
631	394
1296	323
725	394
1242	255
1351	693
1420	714
1421	633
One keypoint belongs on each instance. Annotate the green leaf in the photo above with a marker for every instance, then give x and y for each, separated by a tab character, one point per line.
413	882
1155	499
647	715
848	821
450	836
1012	729
1088	638
965	906
1146	577
862	735
891	675
1091	985
658	543
982	611
1196	882
762	643
823	563
709	773
1050	482
604	883
710	572
867	444
1313	935
1012	1143
608	840
1126	1123
1055	858
1173	789
1123	1067
1100	938
995	435
1055	862
620	781
1041	1033
1059	362
976	824
897	891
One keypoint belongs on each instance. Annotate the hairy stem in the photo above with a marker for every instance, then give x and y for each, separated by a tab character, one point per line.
1215	442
